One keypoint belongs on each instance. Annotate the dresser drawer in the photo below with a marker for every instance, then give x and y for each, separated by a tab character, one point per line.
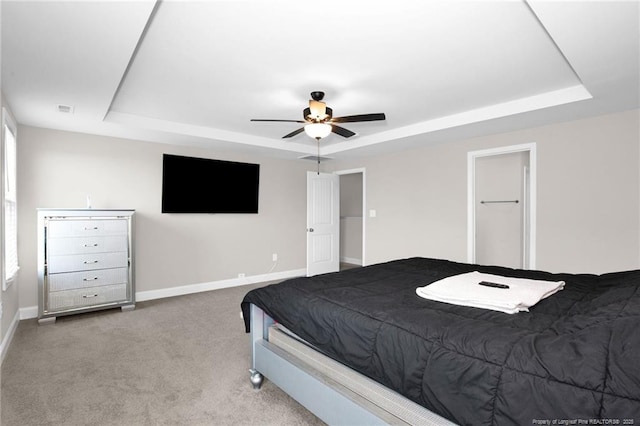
86	262
86	245
59	300
86	228
78	280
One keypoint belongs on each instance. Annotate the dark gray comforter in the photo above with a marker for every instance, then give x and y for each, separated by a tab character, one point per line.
574	358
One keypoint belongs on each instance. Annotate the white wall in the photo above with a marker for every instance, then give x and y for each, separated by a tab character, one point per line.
588	202
8	297
588	215
58	169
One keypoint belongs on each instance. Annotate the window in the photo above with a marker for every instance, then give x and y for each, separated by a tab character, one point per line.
9	201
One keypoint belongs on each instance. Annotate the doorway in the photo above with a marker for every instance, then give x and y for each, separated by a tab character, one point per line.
335	221
351	219
501	206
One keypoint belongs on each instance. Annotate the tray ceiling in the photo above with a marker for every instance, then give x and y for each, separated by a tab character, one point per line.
189	72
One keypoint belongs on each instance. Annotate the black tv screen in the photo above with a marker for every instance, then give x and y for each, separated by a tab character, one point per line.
202	185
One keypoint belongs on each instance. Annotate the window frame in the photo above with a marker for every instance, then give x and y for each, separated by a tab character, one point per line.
8	194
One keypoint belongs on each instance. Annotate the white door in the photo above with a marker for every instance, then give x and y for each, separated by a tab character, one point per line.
323	223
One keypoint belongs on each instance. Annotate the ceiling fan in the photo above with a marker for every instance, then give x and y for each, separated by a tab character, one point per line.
319	121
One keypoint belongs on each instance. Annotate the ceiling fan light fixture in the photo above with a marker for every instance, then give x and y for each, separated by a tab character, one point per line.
318	130
317	110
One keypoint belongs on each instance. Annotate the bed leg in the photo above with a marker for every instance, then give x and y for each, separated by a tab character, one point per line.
260	323
256	379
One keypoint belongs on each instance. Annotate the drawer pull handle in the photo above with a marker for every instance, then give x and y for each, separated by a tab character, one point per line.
90	279
87	296
88	262
91	245
90	228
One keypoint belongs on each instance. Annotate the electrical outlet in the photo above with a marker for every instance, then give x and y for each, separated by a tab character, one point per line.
241	275
274	257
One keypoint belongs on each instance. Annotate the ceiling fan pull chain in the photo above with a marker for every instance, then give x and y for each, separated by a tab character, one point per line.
318	139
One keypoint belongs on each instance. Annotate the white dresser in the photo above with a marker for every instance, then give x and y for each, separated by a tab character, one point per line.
85	261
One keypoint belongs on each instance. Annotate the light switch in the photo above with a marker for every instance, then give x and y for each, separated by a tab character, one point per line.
372	213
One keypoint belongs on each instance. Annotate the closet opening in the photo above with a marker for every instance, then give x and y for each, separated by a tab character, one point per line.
501	206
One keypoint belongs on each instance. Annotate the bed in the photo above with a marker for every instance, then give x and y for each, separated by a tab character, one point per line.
574	358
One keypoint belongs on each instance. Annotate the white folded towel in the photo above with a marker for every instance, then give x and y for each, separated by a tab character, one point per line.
465	290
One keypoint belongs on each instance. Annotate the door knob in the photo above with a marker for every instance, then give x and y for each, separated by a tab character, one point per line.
309	229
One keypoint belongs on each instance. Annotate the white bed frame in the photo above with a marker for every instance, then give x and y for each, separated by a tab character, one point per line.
330	390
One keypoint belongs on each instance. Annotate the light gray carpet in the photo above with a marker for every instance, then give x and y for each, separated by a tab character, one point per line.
177	361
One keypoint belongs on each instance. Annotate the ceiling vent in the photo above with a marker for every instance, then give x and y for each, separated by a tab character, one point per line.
67	109
314	158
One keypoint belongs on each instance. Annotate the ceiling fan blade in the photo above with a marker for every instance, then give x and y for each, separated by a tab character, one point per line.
294	133
360	117
279	121
341	131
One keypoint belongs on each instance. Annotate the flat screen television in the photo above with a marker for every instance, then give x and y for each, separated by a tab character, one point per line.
202	185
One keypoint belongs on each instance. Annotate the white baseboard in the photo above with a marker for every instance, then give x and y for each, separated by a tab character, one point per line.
216	285
29	312
32	311
6	340
351	260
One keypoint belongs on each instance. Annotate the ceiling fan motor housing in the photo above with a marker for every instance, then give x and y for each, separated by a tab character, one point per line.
317	95
328	114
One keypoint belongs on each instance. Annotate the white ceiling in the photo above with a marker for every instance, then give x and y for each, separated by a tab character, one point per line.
196	72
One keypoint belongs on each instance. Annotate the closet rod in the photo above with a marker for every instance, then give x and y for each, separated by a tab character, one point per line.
499	201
